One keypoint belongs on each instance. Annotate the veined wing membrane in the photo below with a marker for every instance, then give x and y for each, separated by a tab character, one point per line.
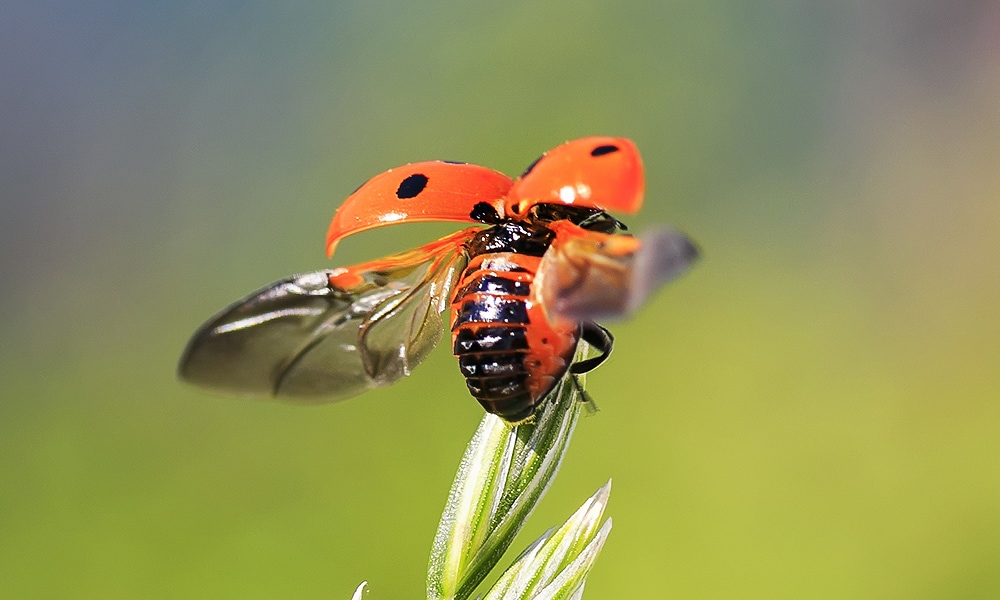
330	335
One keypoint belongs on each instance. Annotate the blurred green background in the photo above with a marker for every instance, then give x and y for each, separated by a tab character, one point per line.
813	412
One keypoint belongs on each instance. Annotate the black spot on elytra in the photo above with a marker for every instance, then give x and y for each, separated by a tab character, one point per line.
454	162
411	186
531	166
602	150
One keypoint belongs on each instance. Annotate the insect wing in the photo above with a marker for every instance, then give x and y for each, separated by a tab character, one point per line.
595	172
587	275
328	335
425	191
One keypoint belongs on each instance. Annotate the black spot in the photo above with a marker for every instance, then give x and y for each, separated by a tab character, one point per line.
531	166
411	186
602	150
454	162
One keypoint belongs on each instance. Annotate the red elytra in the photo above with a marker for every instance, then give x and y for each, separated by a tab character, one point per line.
424	191
448	191
523	287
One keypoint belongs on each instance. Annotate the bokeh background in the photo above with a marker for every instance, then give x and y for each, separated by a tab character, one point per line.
813	412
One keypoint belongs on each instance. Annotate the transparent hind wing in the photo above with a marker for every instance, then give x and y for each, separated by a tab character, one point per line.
329	335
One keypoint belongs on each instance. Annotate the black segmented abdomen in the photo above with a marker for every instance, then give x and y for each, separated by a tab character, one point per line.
490	342
508	350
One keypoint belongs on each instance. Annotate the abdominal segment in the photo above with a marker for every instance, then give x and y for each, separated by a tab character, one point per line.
509	353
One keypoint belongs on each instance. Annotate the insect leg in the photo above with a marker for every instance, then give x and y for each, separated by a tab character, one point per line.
601	339
588	402
598	337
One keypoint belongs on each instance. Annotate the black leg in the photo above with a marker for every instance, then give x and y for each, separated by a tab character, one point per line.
601	339
598	337
588	402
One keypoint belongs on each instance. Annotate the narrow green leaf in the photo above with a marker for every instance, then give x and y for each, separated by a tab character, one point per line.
557	564
504	473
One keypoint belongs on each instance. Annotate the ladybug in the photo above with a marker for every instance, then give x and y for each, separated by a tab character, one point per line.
523	286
